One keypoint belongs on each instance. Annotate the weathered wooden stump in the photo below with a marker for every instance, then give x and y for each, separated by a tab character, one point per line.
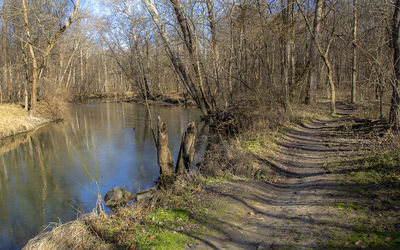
186	152
164	156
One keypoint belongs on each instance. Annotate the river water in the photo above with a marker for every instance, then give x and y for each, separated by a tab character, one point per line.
43	177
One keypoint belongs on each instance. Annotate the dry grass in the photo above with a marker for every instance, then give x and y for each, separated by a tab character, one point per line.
73	235
14	119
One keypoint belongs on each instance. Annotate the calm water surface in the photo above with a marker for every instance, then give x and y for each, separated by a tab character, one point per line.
42	178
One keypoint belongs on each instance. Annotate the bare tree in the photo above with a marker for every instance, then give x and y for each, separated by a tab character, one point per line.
354	64
313	53
194	83
4	51
39	56
324	53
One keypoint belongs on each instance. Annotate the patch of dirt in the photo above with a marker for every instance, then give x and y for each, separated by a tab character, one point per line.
296	211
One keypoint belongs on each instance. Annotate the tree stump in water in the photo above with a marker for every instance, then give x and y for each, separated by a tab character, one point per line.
165	160
186	151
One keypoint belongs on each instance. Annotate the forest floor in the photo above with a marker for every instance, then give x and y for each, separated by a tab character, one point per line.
326	183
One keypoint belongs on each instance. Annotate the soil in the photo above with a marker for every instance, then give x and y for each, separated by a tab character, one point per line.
297	209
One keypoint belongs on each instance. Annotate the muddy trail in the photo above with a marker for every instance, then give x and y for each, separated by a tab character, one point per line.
296	209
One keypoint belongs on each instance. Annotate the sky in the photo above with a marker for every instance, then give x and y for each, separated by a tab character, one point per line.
95	6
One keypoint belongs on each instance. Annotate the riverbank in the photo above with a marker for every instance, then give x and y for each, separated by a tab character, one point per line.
134	97
317	182
16	120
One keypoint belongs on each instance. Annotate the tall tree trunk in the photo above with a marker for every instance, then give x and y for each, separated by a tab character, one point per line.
395	104
313	54
354	68
331	85
291	42
35	70
285	51
81	76
231	52
4	85
214	47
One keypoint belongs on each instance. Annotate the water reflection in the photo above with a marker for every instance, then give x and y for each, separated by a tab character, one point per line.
42	176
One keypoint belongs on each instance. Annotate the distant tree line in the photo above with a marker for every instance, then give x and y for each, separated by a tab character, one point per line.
216	52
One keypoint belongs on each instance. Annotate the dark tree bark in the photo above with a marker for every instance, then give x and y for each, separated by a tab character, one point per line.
395	107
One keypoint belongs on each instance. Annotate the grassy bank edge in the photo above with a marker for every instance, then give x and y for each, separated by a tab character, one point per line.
16	123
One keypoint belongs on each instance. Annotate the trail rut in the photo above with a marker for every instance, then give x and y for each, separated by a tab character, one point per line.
295	211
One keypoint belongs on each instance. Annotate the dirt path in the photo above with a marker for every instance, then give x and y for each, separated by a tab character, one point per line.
295	211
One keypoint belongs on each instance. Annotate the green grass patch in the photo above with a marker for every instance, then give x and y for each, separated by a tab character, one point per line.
252	145
380	168
172	225
165	229
372	214
226	177
261	143
162	215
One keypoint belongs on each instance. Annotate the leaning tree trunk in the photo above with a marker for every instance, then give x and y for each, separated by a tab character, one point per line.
186	152
395	105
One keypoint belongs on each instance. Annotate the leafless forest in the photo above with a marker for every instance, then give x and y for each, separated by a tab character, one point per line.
219	53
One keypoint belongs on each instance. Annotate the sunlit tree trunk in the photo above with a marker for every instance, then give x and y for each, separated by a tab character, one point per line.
4	85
